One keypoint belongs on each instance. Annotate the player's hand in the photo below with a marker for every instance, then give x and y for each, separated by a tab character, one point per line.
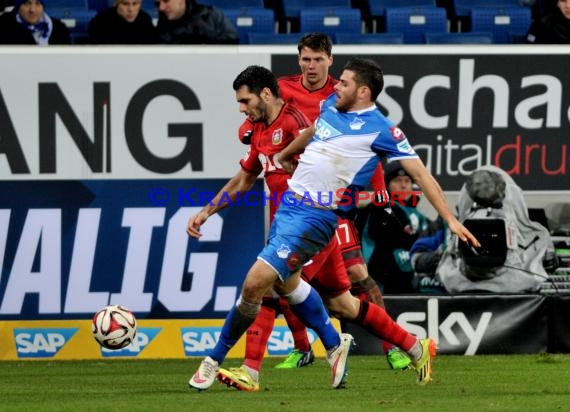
194	224
462	232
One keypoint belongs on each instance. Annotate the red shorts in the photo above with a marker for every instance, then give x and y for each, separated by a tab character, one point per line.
327	273
349	242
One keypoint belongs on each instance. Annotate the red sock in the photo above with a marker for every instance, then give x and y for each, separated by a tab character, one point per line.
375	320
297	327
368	290
257	336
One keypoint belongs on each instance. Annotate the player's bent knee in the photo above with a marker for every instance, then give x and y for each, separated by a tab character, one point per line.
248	308
357	272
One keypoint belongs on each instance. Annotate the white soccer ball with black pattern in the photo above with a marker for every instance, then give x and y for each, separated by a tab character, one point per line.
114	327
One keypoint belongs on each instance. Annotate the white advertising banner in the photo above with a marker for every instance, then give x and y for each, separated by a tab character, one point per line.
129	113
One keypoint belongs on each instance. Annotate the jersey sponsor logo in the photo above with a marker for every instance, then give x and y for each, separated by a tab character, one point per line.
397	133
357	124
277	136
325	130
142	339
281	341
405	147
41	342
198	341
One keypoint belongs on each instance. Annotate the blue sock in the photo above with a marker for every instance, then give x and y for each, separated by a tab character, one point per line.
309	307
235	326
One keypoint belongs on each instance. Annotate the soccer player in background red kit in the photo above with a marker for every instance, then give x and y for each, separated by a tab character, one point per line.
307	90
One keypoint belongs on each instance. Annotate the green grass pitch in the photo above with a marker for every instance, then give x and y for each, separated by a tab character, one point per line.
477	383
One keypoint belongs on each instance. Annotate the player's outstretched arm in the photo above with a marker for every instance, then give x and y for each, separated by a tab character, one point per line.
240	183
432	190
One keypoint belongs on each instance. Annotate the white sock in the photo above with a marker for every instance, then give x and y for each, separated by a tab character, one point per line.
416	351
299	294
252	372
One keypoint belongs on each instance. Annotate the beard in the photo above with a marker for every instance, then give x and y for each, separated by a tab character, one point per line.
346	103
260	114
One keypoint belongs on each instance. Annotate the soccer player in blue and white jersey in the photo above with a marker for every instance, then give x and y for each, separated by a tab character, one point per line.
340	153
346	143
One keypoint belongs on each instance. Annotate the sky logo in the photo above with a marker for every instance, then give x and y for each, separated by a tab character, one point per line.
41	342
142	339
281	340
199	341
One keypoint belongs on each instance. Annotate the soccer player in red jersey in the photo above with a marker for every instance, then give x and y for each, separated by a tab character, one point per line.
307	90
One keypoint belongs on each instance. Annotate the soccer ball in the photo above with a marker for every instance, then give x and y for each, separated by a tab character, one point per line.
114	327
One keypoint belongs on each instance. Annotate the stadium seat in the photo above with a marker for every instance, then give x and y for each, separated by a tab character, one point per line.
291	9
461	7
378	7
250	20
96	4
76	19
369	38
67	4
273	38
503	22
459	38
330	21
413	22
376	14
233	4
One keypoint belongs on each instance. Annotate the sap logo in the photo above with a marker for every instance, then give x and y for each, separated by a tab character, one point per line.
325	131
143	337
41	342
281	340
437	330
198	341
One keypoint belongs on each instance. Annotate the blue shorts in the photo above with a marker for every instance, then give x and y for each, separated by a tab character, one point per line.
298	232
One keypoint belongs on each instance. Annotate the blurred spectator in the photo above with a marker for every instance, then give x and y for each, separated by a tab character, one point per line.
393	230
188	22
124	23
554	28
28	23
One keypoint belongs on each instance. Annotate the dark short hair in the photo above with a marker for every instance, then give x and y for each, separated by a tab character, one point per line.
367	73
316	42
257	78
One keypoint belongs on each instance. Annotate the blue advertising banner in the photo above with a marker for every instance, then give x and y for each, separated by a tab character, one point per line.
69	248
